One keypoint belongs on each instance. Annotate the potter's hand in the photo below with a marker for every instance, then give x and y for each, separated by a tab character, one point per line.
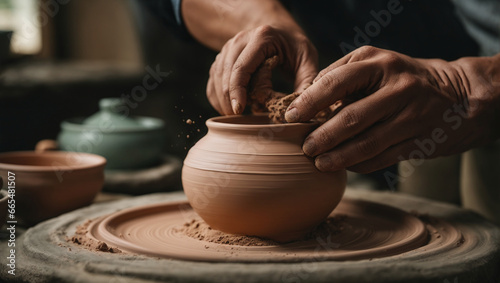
244	53
409	109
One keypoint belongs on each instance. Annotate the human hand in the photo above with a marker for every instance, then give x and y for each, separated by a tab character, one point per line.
244	53
409	109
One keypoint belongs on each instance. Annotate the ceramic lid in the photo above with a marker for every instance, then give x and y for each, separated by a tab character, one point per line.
113	111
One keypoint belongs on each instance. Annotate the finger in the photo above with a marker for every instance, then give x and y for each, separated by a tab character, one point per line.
350	121
212	96
224	102
334	86
390	156
365	146
340	62
307	70
233	52
247	63
359	54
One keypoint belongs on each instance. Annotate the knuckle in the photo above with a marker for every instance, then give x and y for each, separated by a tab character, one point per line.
391	60
367	145
329	81
233	88
239	36
324	137
227	66
367	50
408	82
264	30
239	66
411	81
349	119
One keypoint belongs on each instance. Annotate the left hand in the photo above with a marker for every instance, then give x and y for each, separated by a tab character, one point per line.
410	109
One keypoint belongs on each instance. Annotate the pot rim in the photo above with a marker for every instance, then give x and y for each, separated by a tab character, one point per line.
95	162
221	122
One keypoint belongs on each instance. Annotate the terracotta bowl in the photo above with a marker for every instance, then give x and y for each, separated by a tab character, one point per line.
250	177
48	184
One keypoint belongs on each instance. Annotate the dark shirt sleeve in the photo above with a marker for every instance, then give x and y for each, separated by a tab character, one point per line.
169	12
482	21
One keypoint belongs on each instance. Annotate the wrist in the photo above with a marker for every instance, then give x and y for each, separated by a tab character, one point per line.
271	13
482	78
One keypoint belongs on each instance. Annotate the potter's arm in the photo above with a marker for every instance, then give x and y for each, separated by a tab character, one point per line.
213	23
247	33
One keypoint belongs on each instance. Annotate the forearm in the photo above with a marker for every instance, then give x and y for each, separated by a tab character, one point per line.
213	23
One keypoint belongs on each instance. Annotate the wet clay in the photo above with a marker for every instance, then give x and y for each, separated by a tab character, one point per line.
356	230
263	98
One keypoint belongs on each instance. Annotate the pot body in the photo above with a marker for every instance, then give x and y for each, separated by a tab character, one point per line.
250	177
124	149
48	184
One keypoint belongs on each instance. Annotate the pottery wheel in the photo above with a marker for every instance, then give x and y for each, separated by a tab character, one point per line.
369	230
43	253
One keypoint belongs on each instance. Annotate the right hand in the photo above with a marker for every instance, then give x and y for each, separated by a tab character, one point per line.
245	52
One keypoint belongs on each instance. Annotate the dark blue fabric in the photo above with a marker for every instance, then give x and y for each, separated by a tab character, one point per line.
446	29
169	11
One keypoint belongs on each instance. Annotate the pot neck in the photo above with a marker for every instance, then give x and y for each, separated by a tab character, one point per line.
259	126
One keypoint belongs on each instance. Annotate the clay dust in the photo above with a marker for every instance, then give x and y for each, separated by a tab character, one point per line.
81	238
200	230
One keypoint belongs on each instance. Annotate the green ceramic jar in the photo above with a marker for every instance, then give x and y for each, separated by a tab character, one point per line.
126	142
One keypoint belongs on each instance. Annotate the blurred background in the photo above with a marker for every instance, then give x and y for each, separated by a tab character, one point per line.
65	55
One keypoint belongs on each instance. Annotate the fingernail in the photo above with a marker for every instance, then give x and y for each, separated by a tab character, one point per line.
292	115
324	163
309	147
236	106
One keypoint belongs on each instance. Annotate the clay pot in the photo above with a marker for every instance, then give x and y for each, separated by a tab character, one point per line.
126	142
48	184
250	177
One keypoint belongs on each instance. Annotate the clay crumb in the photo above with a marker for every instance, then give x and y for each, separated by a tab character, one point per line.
189	121
262	98
81	238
